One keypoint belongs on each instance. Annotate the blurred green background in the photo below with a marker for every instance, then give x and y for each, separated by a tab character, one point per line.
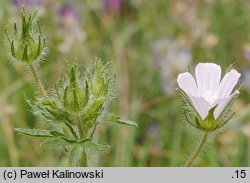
148	43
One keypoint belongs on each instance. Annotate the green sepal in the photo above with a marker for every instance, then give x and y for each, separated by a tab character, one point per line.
209	123
198	123
65	96
39	48
71	128
12	49
190	113
86	93
25	53
15	29
23	23
7	35
225	122
93	110
228	109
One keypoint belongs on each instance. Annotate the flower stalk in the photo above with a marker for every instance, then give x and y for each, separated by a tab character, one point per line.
198	149
37	81
83	159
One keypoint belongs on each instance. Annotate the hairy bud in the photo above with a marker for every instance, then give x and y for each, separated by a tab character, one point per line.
77	97
26	44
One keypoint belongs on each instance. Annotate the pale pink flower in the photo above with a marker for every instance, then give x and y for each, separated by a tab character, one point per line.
207	90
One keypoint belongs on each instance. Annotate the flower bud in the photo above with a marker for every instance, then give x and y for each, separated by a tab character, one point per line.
76	97
99	81
26	45
75	94
49	109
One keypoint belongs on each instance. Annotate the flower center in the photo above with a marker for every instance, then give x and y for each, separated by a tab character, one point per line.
210	96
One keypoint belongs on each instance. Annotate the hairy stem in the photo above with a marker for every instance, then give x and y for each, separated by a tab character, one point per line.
38	81
80	128
197	150
83	162
83	159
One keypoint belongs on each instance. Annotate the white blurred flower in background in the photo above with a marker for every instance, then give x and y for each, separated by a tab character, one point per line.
171	58
185	15
246	79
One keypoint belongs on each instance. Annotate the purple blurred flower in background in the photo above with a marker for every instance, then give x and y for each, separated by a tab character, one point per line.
171	58
28	3
68	15
112	5
69	19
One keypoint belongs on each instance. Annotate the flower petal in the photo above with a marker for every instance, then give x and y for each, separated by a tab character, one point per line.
228	83
187	83
208	77
201	106
222	103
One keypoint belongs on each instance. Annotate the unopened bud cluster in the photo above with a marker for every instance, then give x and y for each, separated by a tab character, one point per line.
77	98
26	44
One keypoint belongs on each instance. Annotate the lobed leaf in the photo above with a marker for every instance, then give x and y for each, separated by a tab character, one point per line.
33	132
89	144
116	119
57	142
57	134
126	122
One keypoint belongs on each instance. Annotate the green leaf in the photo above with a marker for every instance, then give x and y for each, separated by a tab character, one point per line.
57	142
87	143
126	122
72	130
98	147
113	118
74	155
57	134
33	132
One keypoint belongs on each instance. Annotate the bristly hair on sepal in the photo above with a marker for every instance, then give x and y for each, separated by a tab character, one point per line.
209	123
25	43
